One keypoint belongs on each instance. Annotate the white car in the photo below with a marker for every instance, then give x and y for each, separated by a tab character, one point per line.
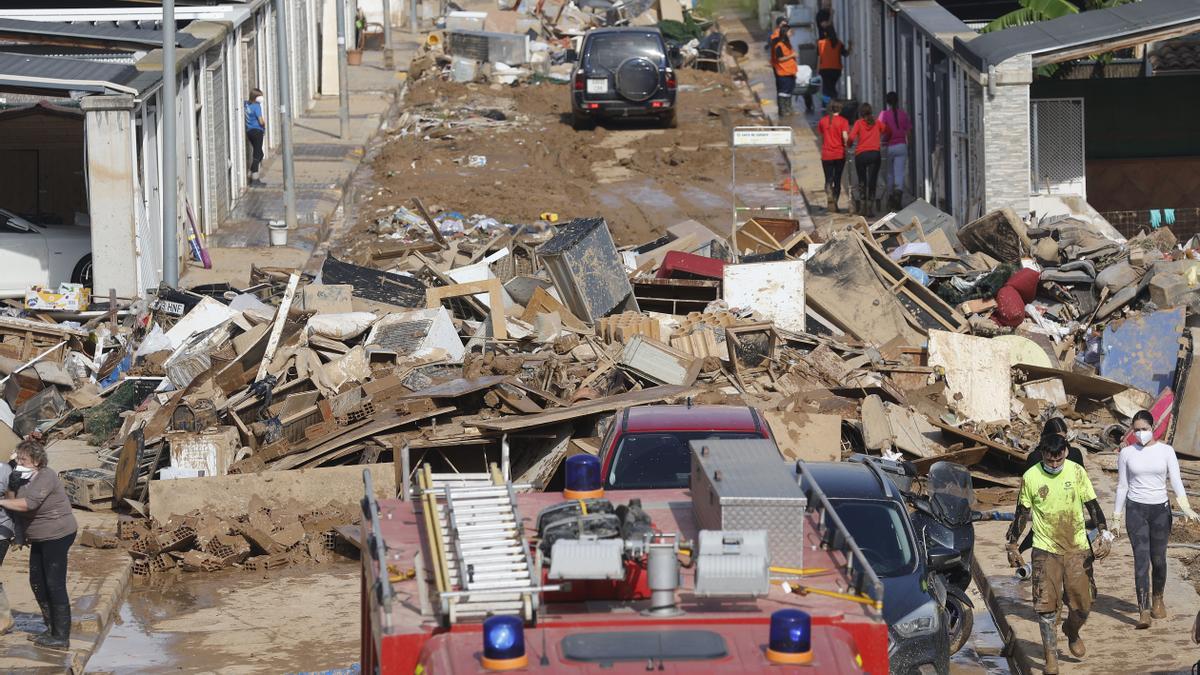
42	255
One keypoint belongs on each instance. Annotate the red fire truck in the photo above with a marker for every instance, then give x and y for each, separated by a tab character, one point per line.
745	571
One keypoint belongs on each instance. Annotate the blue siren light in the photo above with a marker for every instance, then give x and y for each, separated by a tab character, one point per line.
583	478
504	643
791	637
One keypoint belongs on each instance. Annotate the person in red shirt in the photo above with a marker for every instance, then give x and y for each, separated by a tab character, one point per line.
866	140
834	131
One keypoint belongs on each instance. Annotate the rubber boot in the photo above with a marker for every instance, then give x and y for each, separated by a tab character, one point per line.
781	104
1071	629
45	606
1158	609
830	201
6	619
837	194
1144	617
859	202
59	636
1049	642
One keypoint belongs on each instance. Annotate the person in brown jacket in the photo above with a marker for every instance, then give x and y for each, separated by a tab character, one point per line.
39	502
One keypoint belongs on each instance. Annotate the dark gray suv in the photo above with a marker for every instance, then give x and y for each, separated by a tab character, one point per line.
623	72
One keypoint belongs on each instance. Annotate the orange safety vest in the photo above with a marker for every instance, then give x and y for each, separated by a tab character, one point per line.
829	55
783	67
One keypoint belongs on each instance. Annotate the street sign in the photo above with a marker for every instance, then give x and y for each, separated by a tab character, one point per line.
762	136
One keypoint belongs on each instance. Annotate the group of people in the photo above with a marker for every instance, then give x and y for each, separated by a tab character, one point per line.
35	511
869	138
874	140
1069	530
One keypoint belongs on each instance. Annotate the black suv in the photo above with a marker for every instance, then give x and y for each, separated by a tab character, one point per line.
623	72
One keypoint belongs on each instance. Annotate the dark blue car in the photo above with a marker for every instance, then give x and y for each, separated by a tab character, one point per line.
873	511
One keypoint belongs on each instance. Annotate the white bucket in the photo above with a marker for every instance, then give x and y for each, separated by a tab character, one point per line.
279	232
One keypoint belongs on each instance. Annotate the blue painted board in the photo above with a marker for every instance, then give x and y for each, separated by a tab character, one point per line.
1142	351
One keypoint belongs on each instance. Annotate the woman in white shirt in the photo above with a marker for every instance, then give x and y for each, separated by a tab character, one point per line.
1144	469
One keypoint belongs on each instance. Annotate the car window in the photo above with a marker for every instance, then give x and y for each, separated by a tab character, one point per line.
658	460
10	225
879	530
610	50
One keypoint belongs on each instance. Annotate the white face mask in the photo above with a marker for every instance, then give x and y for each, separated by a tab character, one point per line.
1144	436
258	100
25	471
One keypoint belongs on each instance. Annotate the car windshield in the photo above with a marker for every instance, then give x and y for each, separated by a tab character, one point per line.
878	528
658	460
610	50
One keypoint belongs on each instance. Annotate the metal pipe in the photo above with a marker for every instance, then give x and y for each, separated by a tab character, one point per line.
170	214
343	77
283	67
388	54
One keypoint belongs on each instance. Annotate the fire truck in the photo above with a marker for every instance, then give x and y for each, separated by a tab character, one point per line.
748	570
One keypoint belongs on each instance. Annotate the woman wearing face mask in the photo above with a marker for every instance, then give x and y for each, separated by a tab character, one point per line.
1143	470
256	126
40	504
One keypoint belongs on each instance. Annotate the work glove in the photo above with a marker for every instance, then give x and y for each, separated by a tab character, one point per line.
1186	507
1014	556
1115	525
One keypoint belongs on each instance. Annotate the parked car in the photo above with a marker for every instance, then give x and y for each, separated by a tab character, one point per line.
648	447
623	72
43	255
873	510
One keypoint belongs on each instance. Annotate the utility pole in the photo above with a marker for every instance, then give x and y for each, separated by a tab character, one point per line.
170	210
283	65
389	57
343	76
414	26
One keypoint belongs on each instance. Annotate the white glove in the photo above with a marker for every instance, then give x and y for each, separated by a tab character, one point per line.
1186	507
1115	526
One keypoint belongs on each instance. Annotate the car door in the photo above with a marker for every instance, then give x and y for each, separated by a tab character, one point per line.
23	257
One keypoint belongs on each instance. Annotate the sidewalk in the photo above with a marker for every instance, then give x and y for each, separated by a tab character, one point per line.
805	156
1113	645
97	580
323	163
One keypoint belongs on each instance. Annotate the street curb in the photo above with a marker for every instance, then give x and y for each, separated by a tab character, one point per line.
1018	660
109	599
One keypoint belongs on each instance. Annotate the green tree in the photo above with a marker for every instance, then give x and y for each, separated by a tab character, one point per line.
1033	11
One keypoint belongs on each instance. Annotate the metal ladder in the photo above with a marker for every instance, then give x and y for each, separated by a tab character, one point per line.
482	562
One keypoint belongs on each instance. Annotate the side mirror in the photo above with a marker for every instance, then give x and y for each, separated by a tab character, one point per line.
941	558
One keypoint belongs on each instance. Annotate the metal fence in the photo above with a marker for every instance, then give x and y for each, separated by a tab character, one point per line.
1057	147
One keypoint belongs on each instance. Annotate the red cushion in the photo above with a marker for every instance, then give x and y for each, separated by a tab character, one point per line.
1026	282
1010	308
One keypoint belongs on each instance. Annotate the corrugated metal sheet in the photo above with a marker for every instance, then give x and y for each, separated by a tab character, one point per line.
125	32
67	73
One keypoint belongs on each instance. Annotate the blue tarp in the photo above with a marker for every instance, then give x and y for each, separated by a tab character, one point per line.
1143	350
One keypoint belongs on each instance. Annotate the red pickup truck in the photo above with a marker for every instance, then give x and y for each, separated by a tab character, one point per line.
647	447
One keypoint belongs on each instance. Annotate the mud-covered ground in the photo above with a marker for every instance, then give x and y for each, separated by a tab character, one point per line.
639	176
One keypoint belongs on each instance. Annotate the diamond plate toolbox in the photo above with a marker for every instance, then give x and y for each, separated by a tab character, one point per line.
746	485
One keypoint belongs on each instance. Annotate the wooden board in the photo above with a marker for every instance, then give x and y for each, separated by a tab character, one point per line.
977	371
598	406
1076	384
809	436
382	425
128	464
495	291
1004	450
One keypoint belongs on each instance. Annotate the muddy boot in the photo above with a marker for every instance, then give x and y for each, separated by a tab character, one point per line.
830	205
782	105
6	620
45	606
59	636
836	196
856	199
1071	629
1158	609
1049	642
1144	616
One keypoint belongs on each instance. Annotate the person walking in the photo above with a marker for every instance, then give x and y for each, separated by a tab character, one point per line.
1143	470
834	131
256	127
830	51
866	136
40	504
896	151
783	60
1054	495
7	533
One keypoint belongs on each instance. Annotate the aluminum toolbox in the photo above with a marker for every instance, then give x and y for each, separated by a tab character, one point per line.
746	485
587	270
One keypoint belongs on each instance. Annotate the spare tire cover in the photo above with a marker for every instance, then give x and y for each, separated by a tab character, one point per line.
637	79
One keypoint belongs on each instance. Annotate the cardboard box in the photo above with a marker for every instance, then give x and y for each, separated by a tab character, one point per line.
68	298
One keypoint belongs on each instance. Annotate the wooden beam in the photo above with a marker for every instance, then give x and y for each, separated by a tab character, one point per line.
277	327
1127	40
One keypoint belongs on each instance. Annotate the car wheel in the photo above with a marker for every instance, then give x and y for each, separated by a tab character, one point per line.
83	272
960	623
671	121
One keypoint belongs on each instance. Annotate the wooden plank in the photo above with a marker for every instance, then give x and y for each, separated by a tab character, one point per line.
128	465
277	326
1008	452
380	426
437	234
542	302
435	295
595	407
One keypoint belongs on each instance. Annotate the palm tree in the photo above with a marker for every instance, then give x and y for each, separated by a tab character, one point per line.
1033	11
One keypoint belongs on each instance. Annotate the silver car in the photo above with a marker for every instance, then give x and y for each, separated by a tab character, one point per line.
42	255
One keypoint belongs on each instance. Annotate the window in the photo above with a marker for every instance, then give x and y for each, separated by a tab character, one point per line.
659	460
878	529
610	50
10	224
